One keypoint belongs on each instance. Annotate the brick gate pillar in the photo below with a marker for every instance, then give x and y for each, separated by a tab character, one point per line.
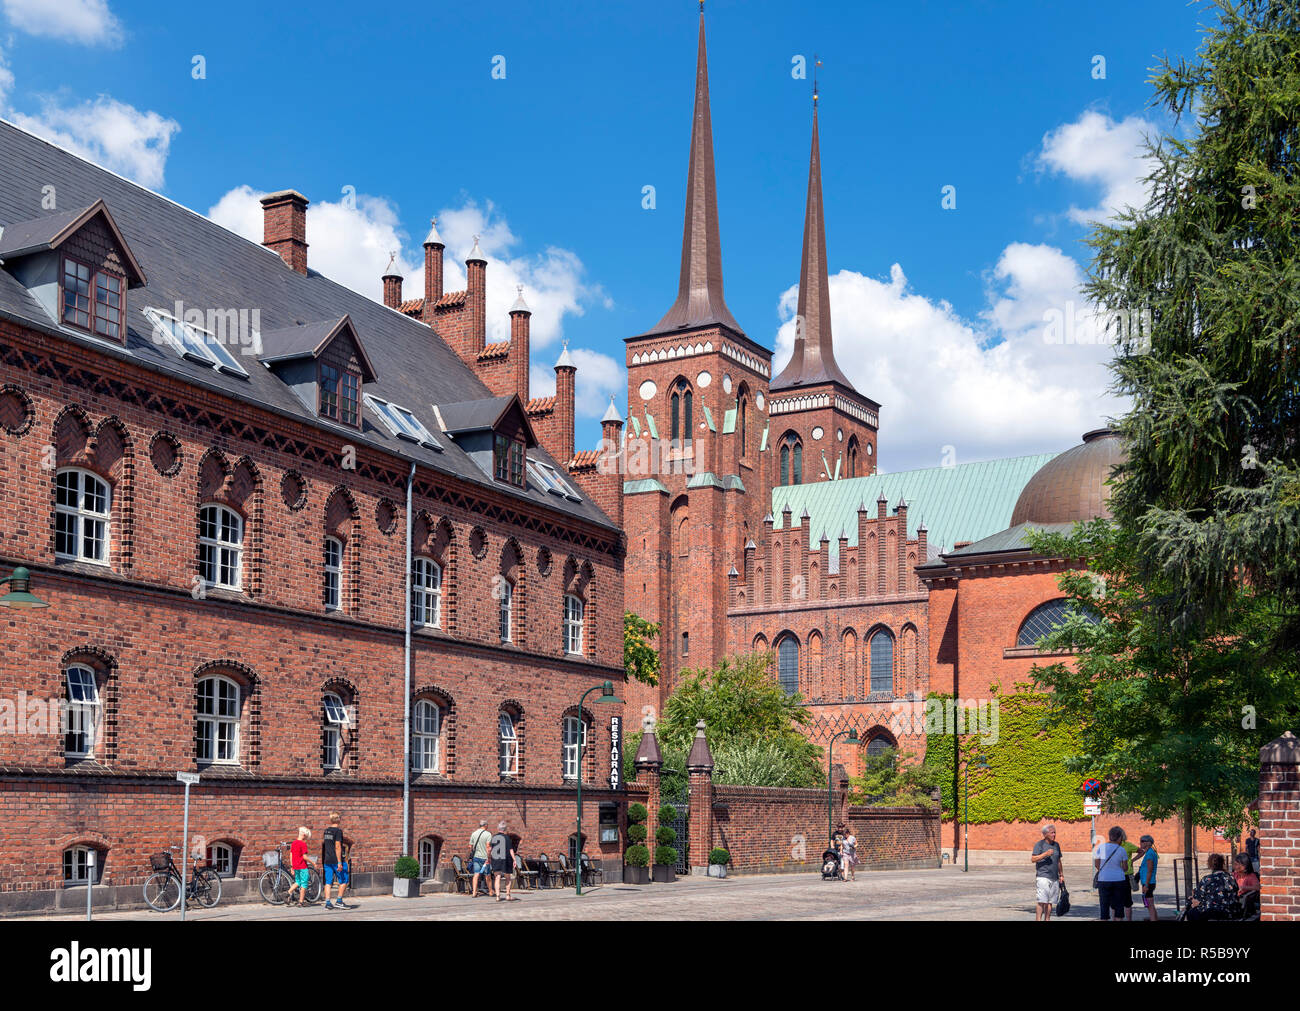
699	764
648	762
1279	828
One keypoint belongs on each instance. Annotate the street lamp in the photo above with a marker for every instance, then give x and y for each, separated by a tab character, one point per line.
606	696
830	768
965	813
20	594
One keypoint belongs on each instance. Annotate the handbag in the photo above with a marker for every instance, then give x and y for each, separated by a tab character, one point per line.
1063	906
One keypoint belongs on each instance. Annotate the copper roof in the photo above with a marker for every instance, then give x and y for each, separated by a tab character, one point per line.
1072	487
497	349
699	291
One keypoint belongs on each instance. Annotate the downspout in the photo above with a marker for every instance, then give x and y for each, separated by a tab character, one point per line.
406	694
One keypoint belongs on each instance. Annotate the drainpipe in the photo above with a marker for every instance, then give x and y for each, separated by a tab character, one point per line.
406	694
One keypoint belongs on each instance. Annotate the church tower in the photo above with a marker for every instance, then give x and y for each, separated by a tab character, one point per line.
693	485
821	428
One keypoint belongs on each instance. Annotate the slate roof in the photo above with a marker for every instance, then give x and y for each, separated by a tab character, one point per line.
965	502
1012	539
190	259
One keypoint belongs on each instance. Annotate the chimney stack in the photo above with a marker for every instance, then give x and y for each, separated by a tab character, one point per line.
611	434
433	248
476	299
519	355
284	227
565	371
392	287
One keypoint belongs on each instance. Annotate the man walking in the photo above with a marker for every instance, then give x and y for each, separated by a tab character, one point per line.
333	865
478	859
502	852
1049	876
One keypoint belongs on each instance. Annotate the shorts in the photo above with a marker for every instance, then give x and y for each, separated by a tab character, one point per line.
1149	892
1049	891
478	865
500	866
1128	893
333	873
302	878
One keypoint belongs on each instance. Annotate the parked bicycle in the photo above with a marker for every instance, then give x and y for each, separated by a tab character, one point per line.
278	878
162	889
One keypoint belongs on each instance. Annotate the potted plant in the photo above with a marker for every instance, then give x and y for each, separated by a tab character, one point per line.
406	878
718	860
636	861
665	868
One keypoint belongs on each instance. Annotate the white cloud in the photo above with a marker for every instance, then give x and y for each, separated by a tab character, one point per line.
6	80
116	135
599	376
86	21
1099	151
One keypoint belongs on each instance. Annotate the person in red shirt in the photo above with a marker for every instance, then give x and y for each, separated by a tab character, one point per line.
298	861
1244	872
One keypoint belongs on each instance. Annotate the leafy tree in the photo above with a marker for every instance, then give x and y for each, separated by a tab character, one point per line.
1211	268
755	762
640	658
887	781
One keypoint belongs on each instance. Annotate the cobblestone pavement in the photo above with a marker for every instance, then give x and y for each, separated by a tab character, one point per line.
987	893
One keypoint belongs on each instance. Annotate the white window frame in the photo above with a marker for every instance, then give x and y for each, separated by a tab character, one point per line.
562	487
506	611
218	554
82	517
426	592
575	612
401	422
428	854
223	726
84	710
193	342
82	872
333	564
508	745
426	743
336	721
575	743
222	853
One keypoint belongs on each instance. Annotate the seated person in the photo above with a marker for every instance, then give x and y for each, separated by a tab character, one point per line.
1243	871
1215	898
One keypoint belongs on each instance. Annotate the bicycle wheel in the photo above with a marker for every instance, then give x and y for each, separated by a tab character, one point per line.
313	884
162	892
207	887
274	886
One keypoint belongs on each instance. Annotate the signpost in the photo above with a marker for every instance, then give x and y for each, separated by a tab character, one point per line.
189	779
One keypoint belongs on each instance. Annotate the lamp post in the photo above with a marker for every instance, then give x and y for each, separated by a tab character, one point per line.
20	595
830	769
606	696
965	813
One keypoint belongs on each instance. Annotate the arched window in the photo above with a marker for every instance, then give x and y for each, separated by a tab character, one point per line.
508	741
680	413
82	864
575	741
218	721
791	459
796	464
506	592
336	721
573	619
426	737
426	593
882	662
82	722
877	746
785	465
675	428
1046	618
333	573
81	516
744	424
429	847
787	664
221	547
688	426
221	855
852	456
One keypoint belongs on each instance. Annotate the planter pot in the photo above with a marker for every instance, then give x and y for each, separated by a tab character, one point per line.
664	874
636	875
406	888
717	870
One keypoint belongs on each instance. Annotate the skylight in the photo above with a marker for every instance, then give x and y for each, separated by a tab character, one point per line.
196	344
549	478
401	422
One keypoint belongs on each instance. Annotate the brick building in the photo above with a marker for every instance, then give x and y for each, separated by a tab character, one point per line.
207	451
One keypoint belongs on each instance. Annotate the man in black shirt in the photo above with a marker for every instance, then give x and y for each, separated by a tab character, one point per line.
334	862
501	852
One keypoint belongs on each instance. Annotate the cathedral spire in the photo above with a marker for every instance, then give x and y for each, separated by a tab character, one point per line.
813	360
699	293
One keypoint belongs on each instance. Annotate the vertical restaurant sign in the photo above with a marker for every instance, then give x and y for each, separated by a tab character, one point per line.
615	752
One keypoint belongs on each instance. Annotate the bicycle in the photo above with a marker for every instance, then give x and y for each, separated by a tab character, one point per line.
278	879
162	889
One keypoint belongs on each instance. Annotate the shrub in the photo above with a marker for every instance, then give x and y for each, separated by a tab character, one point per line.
637	856
667	813
637	813
636	833
665	856
665	836
406	867
718	855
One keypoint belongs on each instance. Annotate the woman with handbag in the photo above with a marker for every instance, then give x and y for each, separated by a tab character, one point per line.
1111	861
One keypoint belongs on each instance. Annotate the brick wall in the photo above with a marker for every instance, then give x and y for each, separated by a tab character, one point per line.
1073	835
1279	829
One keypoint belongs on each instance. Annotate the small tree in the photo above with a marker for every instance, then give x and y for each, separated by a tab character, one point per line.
640	658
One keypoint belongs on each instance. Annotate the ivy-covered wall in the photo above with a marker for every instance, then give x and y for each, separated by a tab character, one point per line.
1026	779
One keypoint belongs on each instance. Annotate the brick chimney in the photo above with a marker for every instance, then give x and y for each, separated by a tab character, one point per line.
519	325
392	288
433	248
476	301
284	227
611	435
565	371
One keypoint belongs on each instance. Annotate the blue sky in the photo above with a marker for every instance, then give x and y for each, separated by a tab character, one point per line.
938	313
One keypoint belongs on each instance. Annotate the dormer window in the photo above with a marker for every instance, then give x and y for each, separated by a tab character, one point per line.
340	394
92	299
508	460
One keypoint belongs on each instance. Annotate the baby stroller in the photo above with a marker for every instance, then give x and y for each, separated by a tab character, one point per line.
831	865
